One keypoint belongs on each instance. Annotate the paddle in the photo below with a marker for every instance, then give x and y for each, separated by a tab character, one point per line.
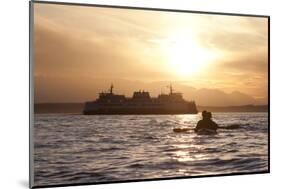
182	129
234	126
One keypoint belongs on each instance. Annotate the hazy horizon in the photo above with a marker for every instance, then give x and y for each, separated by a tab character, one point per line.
218	97
216	60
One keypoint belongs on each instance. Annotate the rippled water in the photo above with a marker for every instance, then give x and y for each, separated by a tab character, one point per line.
79	149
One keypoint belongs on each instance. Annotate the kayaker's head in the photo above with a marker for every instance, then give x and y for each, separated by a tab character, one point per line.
208	115
204	114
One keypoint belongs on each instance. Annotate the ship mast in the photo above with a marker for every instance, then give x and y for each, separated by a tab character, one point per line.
111	89
171	89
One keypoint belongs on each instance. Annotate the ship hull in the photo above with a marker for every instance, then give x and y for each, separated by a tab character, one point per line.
168	109
122	112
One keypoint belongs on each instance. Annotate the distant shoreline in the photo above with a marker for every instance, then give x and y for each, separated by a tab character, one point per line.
77	108
244	108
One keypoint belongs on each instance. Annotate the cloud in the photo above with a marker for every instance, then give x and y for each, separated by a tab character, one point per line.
61	52
235	34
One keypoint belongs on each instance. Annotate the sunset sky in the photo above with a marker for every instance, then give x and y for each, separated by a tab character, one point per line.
79	51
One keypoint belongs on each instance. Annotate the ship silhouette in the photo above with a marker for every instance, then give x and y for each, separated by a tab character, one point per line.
140	103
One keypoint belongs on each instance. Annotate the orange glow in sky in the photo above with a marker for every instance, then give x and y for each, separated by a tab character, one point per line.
79	51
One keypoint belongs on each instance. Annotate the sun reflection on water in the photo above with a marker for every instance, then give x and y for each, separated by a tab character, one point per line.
187	153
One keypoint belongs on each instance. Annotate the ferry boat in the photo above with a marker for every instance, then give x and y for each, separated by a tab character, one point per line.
141	103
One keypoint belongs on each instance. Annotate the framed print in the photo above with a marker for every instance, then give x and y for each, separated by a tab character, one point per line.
126	94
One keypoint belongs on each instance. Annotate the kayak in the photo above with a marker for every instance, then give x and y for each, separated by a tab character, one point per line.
200	132
206	132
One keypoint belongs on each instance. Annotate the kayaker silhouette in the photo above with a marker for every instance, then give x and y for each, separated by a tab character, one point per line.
206	123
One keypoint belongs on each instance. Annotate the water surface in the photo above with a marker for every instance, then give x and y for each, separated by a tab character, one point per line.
79	149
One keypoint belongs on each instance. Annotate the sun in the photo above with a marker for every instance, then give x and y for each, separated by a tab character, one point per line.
186	57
